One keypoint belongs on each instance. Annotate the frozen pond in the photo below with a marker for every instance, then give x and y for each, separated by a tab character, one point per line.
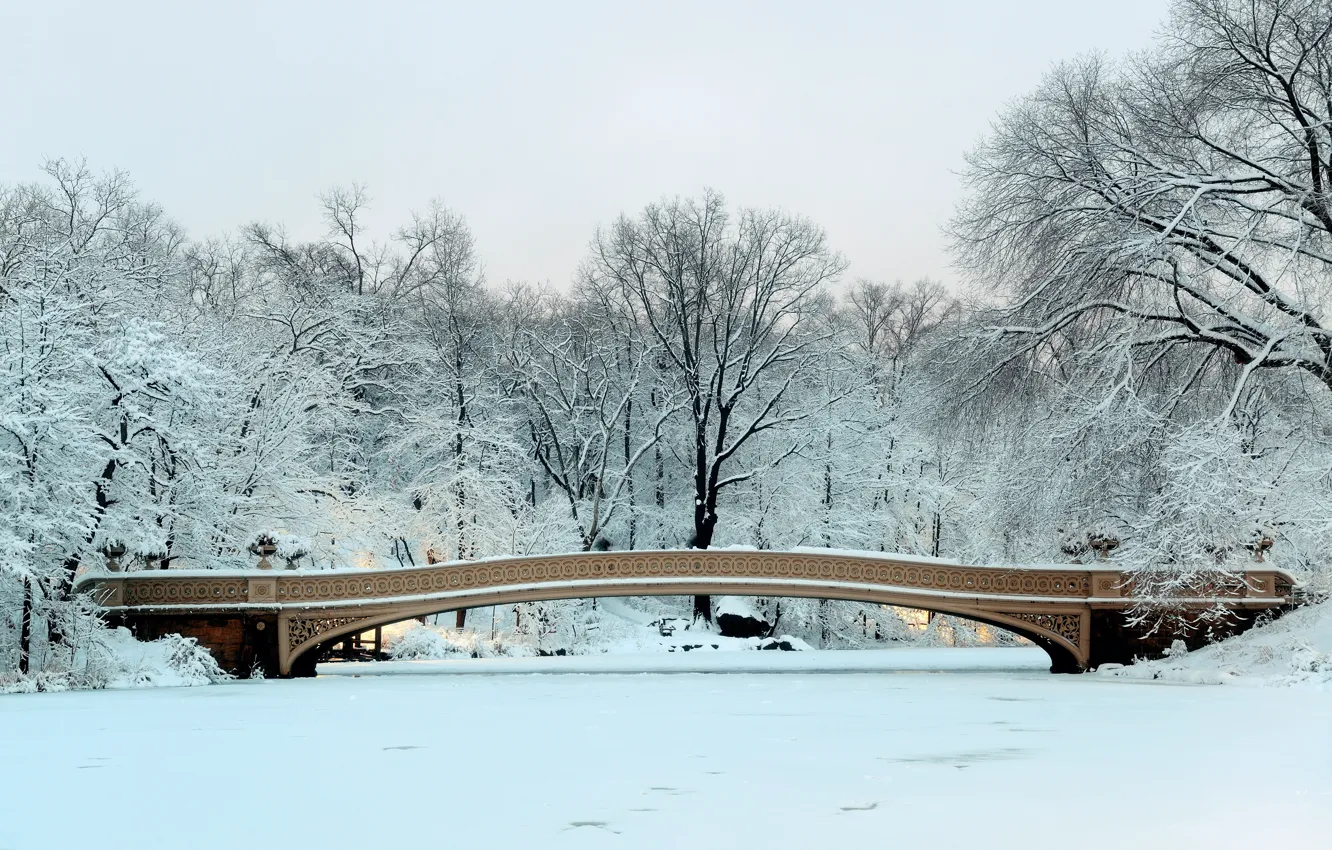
803	750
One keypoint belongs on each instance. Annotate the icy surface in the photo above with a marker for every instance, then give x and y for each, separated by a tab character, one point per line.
733	655
993	753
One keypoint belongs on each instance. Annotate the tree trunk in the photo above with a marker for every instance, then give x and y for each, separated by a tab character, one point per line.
703	608
463	550
705	523
633	502
25	628
659	496
705	518
64	586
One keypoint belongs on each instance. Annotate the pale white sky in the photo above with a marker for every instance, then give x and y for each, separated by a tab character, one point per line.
540	120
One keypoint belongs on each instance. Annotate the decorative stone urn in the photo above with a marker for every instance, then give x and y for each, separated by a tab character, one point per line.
113	552
1103	545
1260	547
263	547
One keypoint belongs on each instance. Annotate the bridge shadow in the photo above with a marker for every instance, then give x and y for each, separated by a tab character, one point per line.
902	660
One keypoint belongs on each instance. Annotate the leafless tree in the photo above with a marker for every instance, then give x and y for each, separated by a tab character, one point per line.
582	389
887	321
726	299
1177	204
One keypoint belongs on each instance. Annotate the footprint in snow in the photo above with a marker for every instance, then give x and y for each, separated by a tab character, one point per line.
962	760
596	824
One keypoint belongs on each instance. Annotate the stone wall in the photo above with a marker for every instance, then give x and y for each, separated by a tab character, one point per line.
1116	641
237	641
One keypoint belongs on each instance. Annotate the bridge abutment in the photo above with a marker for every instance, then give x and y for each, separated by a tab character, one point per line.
240	643
1115	640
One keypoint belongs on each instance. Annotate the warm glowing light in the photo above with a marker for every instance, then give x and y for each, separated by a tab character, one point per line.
916	619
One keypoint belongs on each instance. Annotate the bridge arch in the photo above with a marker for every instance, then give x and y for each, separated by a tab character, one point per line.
1057	633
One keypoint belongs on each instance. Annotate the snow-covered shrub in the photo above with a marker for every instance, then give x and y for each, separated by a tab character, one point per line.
191	662
169	661
112	658
423	642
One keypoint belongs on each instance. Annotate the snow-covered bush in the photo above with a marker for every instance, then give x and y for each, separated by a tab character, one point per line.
189	662
112	658
423	642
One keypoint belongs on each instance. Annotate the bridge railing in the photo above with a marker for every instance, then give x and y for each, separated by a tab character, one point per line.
250	588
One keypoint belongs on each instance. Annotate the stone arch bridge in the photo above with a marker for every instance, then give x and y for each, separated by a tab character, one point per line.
281	620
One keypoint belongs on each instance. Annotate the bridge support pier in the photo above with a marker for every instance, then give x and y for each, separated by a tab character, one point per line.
1061	660
303	666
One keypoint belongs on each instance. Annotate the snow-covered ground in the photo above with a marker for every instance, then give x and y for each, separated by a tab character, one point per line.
1295	649
819	750
645	625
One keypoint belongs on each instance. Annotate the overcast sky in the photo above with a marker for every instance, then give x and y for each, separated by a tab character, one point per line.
540	120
